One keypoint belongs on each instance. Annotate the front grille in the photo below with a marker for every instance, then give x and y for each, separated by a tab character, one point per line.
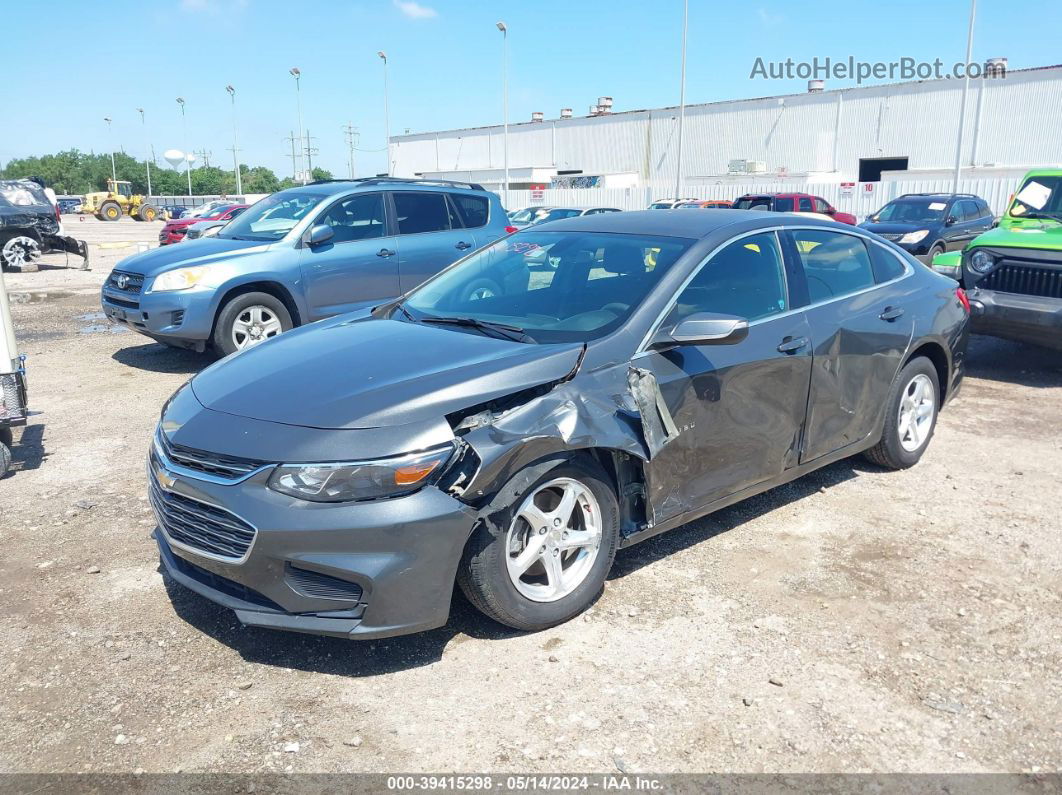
223	466
891	235
122	302
322	586
131	283
1024	279
200	526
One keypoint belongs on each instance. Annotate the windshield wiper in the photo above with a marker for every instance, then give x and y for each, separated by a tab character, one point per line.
1040	214
502	330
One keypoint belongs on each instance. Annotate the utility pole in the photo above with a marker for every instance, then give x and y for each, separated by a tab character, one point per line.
294	157
351	134
235	142
310	151
206	155
682	100
965	94
147	163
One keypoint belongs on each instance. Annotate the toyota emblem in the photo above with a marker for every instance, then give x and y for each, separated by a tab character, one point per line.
122	281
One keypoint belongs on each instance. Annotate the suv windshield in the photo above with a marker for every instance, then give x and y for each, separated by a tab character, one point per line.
524	216
911	211
274	216
553	286
753	202
1038	197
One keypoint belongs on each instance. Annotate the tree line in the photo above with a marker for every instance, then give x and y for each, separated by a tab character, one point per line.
77	173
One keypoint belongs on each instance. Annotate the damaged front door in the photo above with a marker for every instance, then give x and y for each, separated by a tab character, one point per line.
738	409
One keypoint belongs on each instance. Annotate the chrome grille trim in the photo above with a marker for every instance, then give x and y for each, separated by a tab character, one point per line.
202	465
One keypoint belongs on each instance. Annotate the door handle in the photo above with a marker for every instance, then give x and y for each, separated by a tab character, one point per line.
462	245
792	345
891	313
385	252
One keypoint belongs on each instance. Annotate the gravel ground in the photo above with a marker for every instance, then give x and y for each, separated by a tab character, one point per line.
856	620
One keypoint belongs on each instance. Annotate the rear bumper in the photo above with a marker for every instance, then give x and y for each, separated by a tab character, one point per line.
1024	318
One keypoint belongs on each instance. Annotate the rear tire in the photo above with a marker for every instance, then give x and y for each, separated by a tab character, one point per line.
542	596
910	416
146	213
247	320
5	451
109	211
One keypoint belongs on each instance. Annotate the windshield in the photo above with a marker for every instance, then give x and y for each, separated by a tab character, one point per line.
660	206
205	209
910	212
753	203
274	216
556	215
524	216
555	286
1038	197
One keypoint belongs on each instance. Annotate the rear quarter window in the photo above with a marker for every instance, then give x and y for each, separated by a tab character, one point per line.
886	265
474	210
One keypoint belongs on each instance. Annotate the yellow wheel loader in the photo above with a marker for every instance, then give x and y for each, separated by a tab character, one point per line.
116	201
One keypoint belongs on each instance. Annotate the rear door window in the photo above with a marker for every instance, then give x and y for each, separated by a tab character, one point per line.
421	212
835	264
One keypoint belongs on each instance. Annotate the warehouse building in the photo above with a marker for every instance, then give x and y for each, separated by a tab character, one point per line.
1013	121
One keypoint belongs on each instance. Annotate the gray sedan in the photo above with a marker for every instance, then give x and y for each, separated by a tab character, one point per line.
339	478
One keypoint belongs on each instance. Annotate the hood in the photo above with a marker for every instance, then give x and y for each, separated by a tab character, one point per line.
1034	233
204	252
369	373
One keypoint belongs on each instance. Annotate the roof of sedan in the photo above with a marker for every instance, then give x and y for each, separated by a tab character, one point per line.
672	224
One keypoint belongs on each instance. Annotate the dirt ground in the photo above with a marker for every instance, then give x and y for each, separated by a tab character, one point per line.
855	620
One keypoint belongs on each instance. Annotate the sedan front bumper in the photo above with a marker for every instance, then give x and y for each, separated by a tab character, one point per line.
1013	316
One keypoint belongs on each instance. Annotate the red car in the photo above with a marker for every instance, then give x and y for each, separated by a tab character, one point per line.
175	228
792	203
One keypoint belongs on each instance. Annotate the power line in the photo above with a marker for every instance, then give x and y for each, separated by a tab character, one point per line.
351	134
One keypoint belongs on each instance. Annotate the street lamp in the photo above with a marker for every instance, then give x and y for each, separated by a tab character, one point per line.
387	111
682	100
147	156
110	145
294	72
235	144
187	155
505	105
965	94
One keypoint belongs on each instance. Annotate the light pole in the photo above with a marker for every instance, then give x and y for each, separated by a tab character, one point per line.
505	107
110	145
387	111
187	162
682	100
294	72
147	154
235	143
965	93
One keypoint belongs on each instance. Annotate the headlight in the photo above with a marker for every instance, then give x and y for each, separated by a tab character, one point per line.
914	237
361	480
180	279
982	261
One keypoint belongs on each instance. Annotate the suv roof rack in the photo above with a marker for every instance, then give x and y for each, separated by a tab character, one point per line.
940	193
405	181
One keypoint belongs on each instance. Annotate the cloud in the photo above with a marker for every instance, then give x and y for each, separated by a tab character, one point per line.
767	18
415	10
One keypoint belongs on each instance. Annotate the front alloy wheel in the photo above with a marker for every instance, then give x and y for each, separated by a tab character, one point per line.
253	325
554	540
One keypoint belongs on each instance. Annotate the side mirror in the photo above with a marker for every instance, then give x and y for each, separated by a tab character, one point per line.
319	235
704	328
952	220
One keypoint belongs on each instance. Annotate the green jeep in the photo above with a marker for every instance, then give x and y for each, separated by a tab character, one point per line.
1012	273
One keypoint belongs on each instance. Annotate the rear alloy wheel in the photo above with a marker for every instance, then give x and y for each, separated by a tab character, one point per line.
248	320
911	416
543	559
19	251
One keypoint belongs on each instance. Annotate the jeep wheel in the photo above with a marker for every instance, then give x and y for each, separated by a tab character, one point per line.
542	559
248	320
109	211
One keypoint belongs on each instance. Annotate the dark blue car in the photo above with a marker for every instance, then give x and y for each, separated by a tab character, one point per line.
301	255
927	224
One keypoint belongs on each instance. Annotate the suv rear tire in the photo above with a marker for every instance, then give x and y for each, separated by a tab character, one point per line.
248	319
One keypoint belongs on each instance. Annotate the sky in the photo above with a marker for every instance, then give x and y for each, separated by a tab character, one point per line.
77	62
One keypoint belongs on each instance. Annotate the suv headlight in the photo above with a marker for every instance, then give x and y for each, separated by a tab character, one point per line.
180	279
981	261
914	237
360	480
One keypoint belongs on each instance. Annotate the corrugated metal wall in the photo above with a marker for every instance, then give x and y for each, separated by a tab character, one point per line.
1020	124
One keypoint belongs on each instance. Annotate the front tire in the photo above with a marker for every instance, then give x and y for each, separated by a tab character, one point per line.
109	211
934	250
249	319
543	559
911	416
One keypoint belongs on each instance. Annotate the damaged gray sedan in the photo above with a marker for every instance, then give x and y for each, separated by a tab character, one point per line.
562	393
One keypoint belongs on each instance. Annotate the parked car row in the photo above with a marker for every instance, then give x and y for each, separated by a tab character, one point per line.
512	420
529	216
